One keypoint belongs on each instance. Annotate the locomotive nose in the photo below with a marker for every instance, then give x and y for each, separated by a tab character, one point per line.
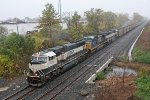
88	45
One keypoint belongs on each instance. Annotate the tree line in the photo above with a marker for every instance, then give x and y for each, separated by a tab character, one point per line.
16	50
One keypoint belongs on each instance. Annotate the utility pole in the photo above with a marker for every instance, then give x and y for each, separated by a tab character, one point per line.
59	8
17	28
16	22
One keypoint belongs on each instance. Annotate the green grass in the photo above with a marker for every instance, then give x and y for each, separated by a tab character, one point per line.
141	56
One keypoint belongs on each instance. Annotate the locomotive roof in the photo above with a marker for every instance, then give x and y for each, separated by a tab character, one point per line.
58	49
50	54
69	44
92	37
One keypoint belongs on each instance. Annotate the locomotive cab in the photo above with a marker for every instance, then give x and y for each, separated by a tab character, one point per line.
36	75
89	42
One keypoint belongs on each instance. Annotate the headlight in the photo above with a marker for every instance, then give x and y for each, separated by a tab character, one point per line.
36	74
27	73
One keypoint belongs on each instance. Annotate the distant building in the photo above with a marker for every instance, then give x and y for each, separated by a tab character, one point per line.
13	21
83	21
29	20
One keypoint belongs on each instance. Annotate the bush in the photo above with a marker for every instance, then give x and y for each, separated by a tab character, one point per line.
143	84
143	72
100	76
15	53
6	66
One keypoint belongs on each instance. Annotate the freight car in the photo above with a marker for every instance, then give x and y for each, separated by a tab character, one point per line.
46	64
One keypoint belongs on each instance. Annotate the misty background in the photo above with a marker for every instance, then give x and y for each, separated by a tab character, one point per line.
33	8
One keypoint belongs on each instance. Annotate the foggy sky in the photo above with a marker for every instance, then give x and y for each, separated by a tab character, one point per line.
33	8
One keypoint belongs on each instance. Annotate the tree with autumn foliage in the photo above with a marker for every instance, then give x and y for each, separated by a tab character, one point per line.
76	28
49	22
15	53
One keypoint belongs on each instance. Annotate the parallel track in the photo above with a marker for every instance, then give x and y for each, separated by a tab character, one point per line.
59	87
28	90
20	94
56	90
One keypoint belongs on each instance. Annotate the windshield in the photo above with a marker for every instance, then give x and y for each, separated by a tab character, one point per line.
38	59
88	40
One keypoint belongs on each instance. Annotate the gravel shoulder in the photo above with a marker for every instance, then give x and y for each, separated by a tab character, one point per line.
9	86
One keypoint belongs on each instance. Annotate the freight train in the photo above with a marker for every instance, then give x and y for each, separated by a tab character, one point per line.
48	63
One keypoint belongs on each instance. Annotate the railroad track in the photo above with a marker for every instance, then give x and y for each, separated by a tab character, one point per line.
52	94
118	52
55	91
20	94
91	67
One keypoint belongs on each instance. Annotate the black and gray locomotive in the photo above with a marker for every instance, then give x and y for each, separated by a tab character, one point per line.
46	64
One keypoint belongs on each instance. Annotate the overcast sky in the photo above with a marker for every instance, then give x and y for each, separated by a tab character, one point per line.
33	8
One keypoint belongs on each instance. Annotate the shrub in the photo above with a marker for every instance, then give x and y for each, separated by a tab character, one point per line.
100	76
143	72
143	84
6	66
15	53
